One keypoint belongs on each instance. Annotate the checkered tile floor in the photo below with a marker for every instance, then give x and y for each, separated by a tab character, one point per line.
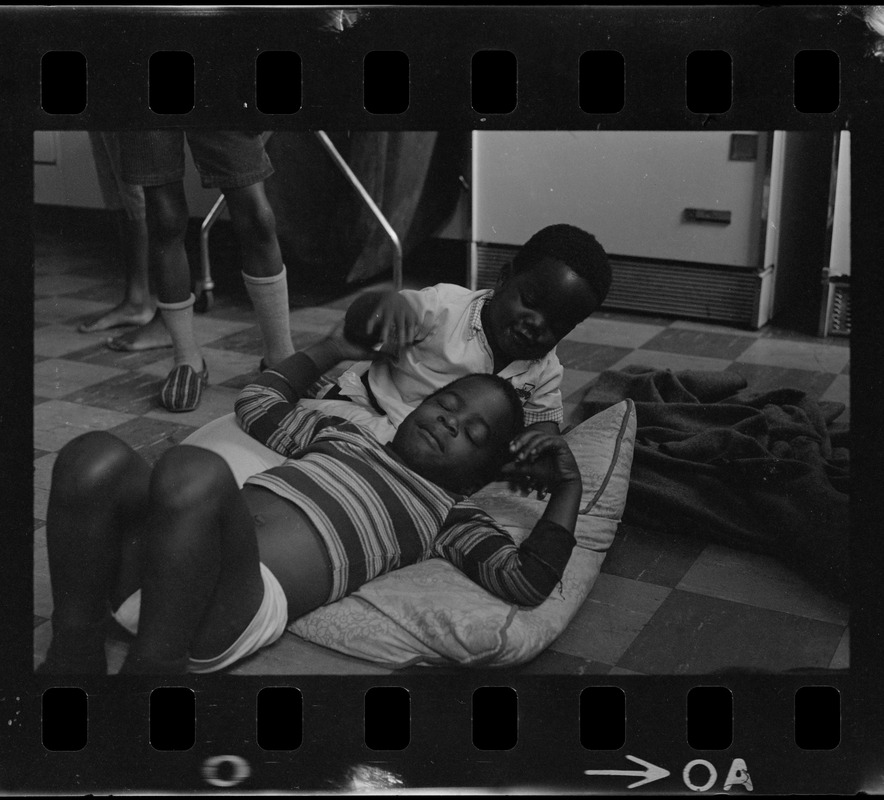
662	604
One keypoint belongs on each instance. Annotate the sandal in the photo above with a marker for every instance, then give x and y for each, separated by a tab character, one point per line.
183	388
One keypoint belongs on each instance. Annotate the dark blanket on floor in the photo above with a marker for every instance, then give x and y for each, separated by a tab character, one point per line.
764	471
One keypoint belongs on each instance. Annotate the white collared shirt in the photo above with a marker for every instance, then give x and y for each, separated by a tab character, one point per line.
451	343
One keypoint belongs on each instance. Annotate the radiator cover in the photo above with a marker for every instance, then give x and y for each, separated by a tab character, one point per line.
712	292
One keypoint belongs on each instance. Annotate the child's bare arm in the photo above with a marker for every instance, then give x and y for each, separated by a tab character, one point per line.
382	317
545	462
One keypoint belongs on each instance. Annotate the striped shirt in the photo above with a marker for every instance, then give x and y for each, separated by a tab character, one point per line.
375	514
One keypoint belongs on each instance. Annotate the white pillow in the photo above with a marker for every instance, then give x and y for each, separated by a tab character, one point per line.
432	613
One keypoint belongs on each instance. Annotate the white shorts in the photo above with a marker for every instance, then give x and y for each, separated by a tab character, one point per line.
266	627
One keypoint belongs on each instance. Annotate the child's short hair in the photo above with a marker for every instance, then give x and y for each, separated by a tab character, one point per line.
577	248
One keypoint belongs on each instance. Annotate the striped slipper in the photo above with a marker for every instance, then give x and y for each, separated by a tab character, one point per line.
183	388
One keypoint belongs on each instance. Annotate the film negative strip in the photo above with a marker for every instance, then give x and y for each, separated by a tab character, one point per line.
583	718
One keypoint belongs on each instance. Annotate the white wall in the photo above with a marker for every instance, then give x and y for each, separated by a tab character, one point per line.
64	174
628	188
839	261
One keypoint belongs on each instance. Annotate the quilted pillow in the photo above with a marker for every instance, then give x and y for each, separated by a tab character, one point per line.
431	613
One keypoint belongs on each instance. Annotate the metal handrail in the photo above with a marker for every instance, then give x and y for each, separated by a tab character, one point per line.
351	176
208	284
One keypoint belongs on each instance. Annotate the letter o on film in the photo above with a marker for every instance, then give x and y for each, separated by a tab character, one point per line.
697	762
237	767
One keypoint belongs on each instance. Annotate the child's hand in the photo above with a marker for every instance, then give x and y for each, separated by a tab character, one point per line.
543	462
393	322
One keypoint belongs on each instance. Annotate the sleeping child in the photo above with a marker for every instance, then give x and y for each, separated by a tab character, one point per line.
214	572
429	337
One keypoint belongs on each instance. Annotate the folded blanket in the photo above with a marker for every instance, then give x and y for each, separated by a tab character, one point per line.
765	471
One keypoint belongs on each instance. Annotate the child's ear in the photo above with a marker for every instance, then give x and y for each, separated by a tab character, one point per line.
506	272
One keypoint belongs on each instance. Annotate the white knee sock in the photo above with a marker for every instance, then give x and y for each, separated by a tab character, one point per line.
178	319
270	297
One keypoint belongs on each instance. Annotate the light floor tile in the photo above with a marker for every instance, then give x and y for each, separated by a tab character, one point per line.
612	616
796	355
56	377
291	655
41	503
657	359
759	581
838	391
42	587
613	332
56	422
60	309
43	472
706	327
841	659
216	401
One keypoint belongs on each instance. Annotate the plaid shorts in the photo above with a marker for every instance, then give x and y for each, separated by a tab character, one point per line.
224	159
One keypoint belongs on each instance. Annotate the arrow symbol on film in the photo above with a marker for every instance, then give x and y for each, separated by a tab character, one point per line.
651	772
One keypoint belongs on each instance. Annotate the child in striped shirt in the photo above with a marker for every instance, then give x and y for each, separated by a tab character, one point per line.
212	572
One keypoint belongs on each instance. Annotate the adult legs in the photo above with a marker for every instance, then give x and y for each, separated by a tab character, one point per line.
167	217
153	333
263	271
137	305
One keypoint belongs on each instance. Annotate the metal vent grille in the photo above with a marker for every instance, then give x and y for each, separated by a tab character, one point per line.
683	290
840	322
490	258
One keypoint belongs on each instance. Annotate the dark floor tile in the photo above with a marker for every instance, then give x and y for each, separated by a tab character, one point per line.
40	453
776	332
697	634
39	400
38	621
247	341
846	370
651	556
132	393
762	378
232	309
151	452
589	357
103	356
699	343
145	433
551	662
38	523
110	291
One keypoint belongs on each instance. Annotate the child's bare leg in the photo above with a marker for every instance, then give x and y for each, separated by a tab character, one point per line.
201	580
263	272
137	306
98	496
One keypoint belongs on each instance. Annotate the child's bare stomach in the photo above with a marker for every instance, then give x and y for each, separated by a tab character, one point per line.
291	548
